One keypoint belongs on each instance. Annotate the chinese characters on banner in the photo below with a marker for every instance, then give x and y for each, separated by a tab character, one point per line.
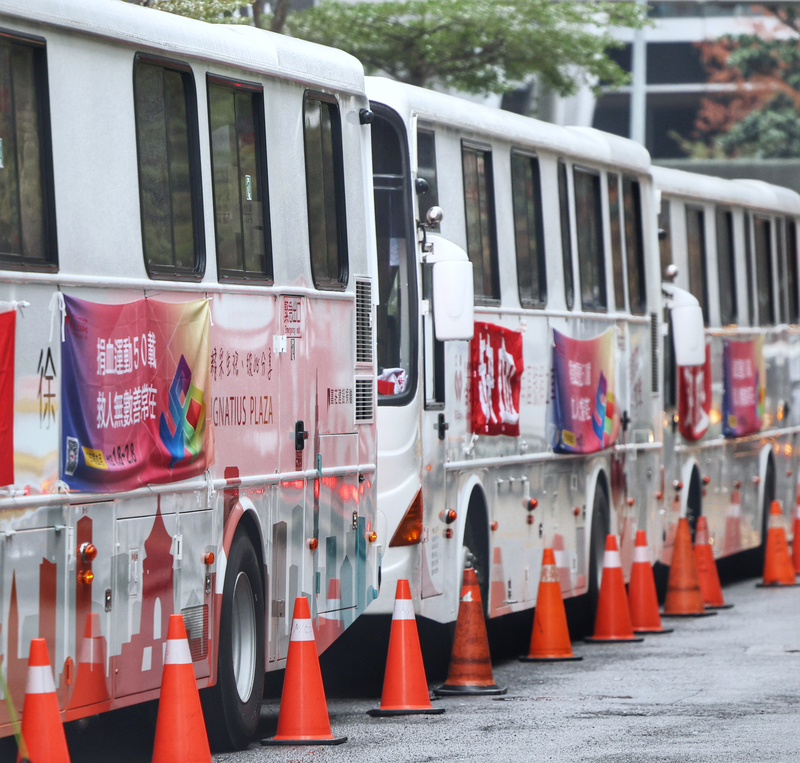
8	322
496	370
694	399
584	412
745	386
135	377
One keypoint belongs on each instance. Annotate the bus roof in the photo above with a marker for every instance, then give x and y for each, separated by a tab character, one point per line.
578	142
747	193
233	44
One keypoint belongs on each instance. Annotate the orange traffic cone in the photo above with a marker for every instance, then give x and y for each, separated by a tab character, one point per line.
642	590
470	663
42	737
303	717
550	636
180	729
613	619
90	679
796	538
778	567
405	687
684	598
707	568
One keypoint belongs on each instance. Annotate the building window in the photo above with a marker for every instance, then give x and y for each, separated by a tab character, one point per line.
589	223
325	189
634	245
27	214
566	241
762	230
479	205
696	252
615	228
528	230
726	268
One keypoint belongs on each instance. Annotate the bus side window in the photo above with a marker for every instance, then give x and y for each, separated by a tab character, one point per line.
615	227
634	245
664	237
726	268
762	230
528	230
238	164
780	233
751	272
27	217
169	170
481	237
696	254
325	191
426	169
791	274
566	241
589	222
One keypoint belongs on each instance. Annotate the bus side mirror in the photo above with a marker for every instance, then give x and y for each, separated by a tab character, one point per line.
453	302
688	330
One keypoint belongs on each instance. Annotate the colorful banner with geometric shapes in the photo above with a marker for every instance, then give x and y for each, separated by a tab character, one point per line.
135	379
745	386
8	322
584	410
496	370
694	399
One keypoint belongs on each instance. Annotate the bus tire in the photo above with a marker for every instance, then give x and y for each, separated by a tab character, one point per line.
476	545
232	706
597	546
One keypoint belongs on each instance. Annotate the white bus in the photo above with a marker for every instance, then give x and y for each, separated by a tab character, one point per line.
731	427
484	444
187	423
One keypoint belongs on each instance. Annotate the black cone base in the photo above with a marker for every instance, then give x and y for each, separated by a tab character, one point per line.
593	640
775	585
452	690
645	631
689	614
378	713
719	606
301	742
572	658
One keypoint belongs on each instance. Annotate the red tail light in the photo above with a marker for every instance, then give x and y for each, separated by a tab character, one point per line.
409	531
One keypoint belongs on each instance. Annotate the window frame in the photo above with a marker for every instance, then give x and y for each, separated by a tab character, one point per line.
727	213
704	301
602	284
195	171
340	199
769	220
257	89
792	272
640	305
565	221
618	274
50	262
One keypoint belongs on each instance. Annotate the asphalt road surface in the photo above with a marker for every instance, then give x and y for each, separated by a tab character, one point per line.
721	688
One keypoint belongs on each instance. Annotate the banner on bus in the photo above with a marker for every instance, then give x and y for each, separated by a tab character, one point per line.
135	378
584	411
694	399
745	386
496	370
8	323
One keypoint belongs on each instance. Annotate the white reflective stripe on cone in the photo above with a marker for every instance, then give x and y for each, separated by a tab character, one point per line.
640	554
40	680
302	630
549	574
178	652
611	559
403	610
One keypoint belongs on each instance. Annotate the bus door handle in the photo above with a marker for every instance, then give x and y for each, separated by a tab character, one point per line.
441	426
300	435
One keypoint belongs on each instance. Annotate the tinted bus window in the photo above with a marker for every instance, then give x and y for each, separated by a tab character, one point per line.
762	233
325	190
426	169
589	222
528	230
751	272
26	204
239	179
696	252
566	241
634	245
791	273
664	237
615	227
169	172
479	204
726	268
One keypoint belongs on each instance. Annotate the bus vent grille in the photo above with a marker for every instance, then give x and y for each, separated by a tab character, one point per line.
363	321
364	401
654	331
195	619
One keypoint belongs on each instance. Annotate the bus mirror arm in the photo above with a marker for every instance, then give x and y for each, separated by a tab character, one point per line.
688	330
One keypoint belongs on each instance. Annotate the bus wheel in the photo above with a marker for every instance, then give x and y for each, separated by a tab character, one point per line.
232	706
597	546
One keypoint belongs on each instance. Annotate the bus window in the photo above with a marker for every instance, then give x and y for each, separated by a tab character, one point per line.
396	317
664	237
325	190
780	232
751	273
615	228
726	268
479	204
696	252
589	222
26	217
528	230
634	245
426	169
566	241
791	273
169	172
766	298
239	181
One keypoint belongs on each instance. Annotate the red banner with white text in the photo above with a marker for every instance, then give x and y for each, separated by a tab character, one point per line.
694	399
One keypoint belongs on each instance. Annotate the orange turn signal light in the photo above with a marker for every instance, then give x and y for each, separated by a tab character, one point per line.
86	576
372	537
409	531
313	543
449	516
88	552
532	504
208	558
